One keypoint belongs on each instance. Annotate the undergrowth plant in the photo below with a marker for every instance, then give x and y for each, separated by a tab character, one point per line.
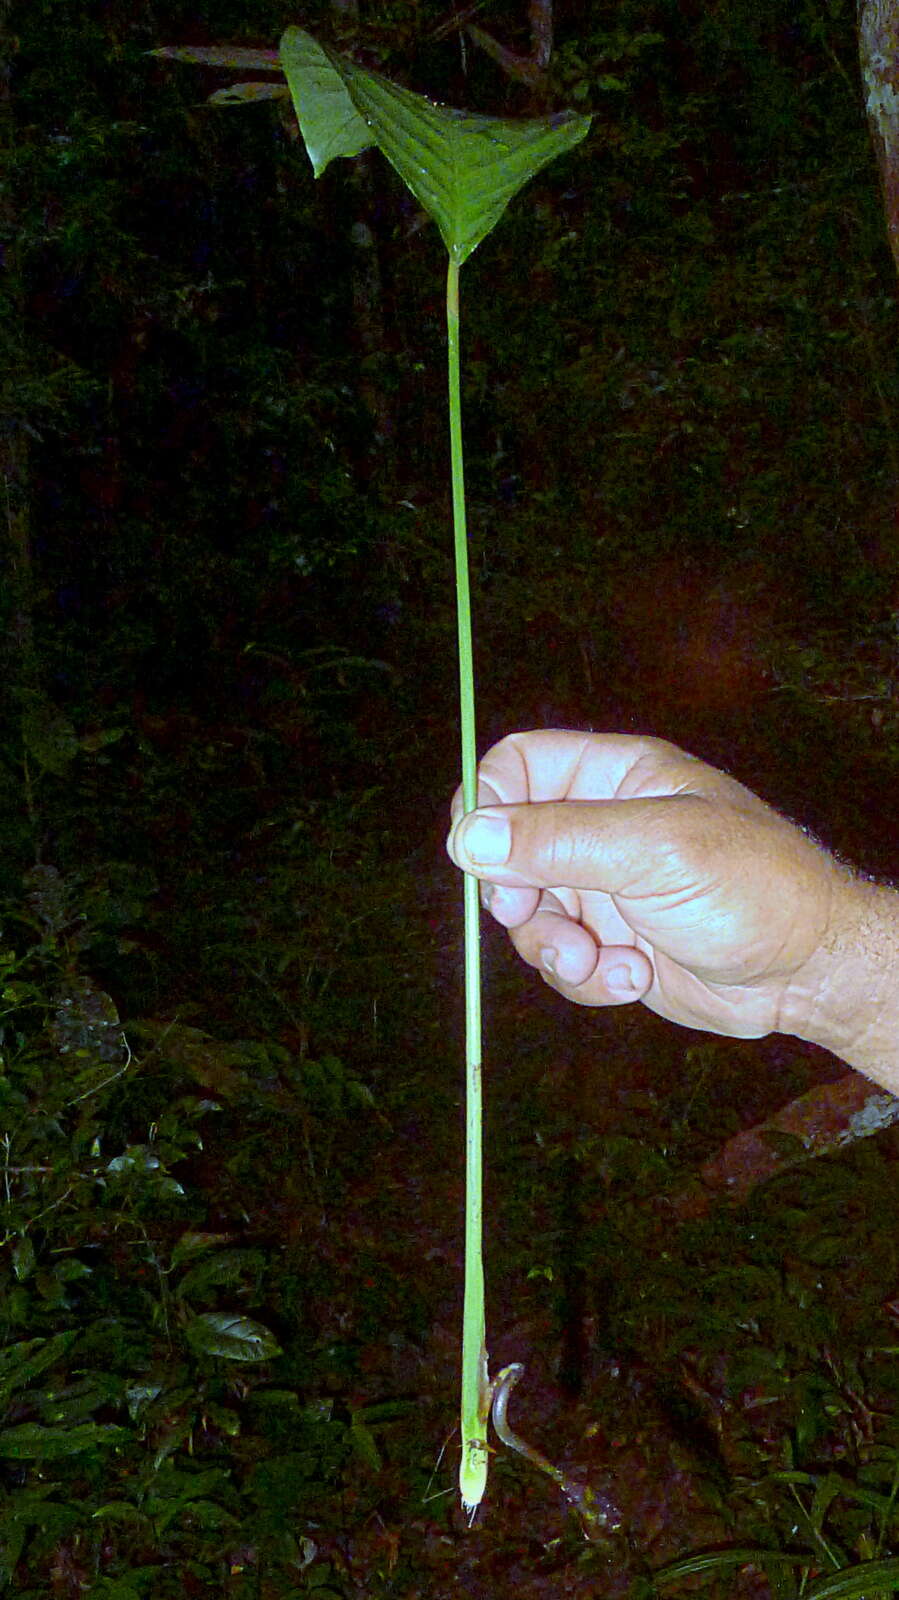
463	170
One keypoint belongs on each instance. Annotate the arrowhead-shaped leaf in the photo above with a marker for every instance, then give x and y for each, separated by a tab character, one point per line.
463	169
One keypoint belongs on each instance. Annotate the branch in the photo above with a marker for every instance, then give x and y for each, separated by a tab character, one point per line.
529	69
540	14
816	1124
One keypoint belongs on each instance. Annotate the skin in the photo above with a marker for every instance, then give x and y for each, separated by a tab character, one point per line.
629	870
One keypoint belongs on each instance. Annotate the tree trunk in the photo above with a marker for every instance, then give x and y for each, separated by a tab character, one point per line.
878	43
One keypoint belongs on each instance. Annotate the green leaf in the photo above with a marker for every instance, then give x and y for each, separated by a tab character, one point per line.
99	738
857	1583
139	1396
169	1186
137	1158
218	55
240	93
26	1360
119	1511
48	736
228	1267
329	122
23	1258
13	1533
223	1418
174	1491
208	1514
365	1447
75	1402
276	1398
463	169
374	1416
721	1560
31	1442
115	1589
193	1244
237	1338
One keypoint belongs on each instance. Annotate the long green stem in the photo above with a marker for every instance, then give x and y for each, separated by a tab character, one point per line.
475	1399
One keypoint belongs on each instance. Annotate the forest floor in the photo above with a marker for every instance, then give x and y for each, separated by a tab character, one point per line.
605	1416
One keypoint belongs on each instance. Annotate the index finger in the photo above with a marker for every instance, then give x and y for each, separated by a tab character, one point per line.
562	764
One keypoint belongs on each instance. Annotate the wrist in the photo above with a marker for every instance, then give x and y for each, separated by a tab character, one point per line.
846	997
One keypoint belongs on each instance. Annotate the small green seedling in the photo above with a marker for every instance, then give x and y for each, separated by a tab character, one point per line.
463	170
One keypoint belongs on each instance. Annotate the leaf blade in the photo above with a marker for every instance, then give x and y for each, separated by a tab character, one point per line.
219	55
462	168
231	1336
31	1441
329	122
242	93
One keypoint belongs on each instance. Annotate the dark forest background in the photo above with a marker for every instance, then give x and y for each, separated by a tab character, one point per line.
230	1134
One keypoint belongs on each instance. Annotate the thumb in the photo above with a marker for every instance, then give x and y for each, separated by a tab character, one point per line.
614	846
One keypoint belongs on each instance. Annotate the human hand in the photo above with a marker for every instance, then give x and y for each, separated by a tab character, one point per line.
626	870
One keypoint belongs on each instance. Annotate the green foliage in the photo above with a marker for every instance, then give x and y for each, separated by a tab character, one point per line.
462	169
751	1348
123	1319
867	1579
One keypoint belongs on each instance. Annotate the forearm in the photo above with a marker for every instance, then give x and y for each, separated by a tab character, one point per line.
847	999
